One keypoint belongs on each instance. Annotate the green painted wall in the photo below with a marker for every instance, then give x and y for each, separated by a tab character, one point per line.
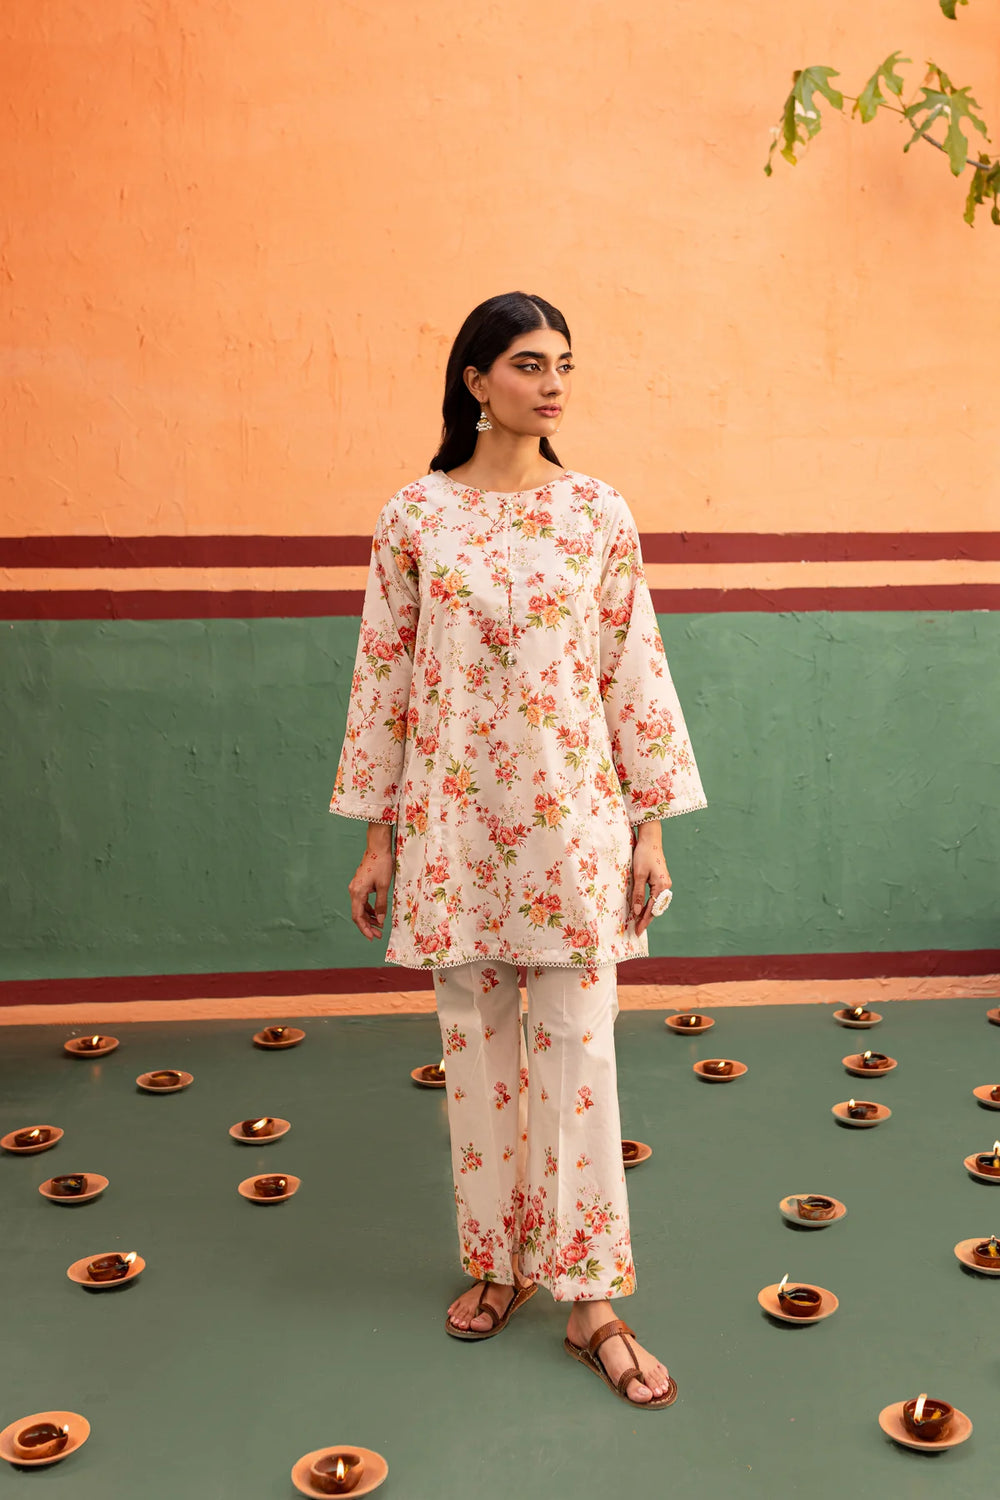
164	784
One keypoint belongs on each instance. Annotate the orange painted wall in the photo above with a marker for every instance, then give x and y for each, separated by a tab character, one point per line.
238	240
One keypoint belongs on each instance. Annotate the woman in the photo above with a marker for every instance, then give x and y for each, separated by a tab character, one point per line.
513	714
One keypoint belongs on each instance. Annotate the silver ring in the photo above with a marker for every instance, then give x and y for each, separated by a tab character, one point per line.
661	903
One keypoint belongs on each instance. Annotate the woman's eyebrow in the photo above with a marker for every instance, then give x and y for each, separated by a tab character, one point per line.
521	353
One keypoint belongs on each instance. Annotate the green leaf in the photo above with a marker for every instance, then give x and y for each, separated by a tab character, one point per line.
867	103
985	184
800	114
954	105
948	6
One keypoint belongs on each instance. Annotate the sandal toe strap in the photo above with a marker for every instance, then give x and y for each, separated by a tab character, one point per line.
633	1374
485	1307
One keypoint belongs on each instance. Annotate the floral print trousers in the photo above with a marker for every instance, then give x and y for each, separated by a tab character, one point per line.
535	1128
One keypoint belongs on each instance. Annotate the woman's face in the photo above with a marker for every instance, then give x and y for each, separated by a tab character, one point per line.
532	373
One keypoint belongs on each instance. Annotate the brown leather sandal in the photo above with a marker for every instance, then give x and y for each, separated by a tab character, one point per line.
499	1320
588	1357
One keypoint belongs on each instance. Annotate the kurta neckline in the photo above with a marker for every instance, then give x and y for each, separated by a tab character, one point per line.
504	494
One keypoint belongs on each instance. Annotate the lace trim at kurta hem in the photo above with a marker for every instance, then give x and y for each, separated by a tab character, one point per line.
506	958
653	817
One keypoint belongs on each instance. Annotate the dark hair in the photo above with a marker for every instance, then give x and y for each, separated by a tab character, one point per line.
489	329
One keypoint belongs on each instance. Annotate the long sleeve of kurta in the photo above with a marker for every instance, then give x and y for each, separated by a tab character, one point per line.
370	770
649	739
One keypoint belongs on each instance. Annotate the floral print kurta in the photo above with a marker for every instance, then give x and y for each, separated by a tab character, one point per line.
513	713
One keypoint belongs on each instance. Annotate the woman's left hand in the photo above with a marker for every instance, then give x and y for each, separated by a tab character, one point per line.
648	866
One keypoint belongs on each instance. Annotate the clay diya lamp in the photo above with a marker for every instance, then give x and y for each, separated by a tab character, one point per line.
988	1162
270	1187
36	1136
90	1046
719	1067
337	1473
798	1301
689	1020
987	1253
927	1418
40	1440
258	1129
164	1078
861	1109
113	1267
431	1076
874	1060
995	1093
856	1015
815	1206
630	1150
69	1185
274	1033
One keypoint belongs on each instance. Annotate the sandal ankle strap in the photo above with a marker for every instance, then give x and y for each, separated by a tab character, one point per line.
608	1331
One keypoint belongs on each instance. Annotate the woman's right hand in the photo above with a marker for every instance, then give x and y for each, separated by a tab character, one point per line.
374	873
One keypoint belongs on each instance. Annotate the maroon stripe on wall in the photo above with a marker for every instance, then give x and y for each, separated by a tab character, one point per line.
242	604
333	551
819	966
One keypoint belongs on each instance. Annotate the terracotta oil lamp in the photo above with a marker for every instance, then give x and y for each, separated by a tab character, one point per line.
165	1078
261	1127
270	1187
274	1033
995	1093
874	1060
69	1185
629	1150
37	1136
719	1067
859	1014
434	1072
689	1018
113	1267
861	1109
91	1043
337	1473
988	1162
987	1253
815	1206
40	1440
798	1301
926	1417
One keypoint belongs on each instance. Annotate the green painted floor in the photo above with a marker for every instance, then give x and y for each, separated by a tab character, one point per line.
256	1334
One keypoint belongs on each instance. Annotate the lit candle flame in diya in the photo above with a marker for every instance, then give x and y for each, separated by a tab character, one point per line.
859	1011
341	1471
440	1070
130	1257
259	1124
851	1103
996	1153
866	1055
781	1284
918	1410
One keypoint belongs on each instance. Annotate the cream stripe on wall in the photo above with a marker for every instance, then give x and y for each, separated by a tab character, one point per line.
658	576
